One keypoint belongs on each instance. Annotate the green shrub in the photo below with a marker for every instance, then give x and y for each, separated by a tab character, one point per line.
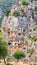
18	54
35	39
31	51
32	38
8	63
16	13
7	12
34	29
25	3
35	8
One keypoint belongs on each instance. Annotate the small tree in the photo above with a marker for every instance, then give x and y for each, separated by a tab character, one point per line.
3	49
18	54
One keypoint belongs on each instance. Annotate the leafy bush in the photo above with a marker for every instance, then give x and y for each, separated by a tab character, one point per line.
18	54
32	38
35	8
16	13
34	29
8	63
25	3
35	39
7	12
31	51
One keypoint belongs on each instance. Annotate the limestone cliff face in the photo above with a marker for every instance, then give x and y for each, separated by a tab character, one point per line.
19	20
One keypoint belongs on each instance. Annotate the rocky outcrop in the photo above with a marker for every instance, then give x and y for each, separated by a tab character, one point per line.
20	30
